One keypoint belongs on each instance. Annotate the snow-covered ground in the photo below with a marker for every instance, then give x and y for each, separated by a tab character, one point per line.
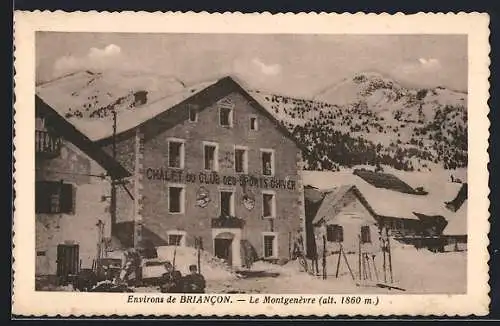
416	271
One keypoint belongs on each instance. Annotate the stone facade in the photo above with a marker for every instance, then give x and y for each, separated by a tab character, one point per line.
149	159
78	227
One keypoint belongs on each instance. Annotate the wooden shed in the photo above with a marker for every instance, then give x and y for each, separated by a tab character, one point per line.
346	218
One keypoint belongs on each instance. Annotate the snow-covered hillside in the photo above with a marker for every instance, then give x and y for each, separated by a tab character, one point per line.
370	119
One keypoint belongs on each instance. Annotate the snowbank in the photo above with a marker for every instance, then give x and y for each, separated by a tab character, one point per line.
212	268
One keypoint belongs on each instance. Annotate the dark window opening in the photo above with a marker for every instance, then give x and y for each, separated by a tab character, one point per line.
268	203
175	199
53	197
269	246
174	154
226	203
267	163
225	117
174	239
209	157
365	234
193	114
239	160
334	233
253	123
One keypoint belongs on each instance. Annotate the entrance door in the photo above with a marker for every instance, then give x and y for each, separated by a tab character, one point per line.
67	260
222	249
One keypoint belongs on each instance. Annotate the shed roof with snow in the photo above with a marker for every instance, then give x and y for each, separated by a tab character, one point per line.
384	202
333	199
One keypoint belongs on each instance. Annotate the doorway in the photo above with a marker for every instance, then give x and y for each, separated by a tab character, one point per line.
67	261
222	249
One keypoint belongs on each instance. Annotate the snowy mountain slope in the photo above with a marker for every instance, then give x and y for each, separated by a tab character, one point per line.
370	119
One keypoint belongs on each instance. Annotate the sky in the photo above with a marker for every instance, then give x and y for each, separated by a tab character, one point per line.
293	65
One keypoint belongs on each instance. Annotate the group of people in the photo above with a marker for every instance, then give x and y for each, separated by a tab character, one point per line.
172	280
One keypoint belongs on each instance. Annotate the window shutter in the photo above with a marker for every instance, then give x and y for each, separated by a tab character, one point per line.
365	234
41	198
66	199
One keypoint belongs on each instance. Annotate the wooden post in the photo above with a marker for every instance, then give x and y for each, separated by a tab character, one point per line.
359	257
338	261
347	263
390	258
199	252
384	253
375	267
290	245
324	257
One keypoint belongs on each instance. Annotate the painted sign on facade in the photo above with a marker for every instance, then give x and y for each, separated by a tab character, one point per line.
208	178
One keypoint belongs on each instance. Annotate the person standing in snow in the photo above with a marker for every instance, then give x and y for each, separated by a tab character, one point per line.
194	282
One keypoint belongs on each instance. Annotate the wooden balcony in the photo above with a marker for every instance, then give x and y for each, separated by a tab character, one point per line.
47	145
229	222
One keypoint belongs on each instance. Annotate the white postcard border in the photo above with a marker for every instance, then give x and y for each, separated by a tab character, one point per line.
26	301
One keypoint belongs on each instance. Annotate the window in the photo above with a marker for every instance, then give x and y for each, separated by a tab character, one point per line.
268	204
176	238
270	245
176	199
193	114
176	153
334	233
54	197
365	234
241	159
210	156
267	156
226	203
253	123
226	116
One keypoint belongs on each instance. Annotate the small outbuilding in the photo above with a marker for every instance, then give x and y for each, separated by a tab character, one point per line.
345	218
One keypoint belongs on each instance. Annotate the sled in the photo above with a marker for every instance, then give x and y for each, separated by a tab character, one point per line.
390	287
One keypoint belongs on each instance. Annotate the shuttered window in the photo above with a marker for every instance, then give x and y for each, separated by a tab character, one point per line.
365	234
53	197
334	233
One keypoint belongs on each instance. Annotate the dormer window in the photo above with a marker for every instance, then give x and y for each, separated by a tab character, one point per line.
140	98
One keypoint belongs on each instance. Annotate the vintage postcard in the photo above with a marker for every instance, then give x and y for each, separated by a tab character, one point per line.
177	164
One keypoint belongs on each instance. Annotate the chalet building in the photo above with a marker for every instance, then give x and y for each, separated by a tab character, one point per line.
345	218
369	200
72	190
209	166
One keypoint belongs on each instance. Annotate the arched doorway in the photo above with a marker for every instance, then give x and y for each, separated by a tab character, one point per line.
226	242
223	246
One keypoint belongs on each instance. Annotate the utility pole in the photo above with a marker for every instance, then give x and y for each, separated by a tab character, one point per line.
113	180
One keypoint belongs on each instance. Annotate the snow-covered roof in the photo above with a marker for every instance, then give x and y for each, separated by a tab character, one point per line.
457	224
384	202
330	201
73	91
